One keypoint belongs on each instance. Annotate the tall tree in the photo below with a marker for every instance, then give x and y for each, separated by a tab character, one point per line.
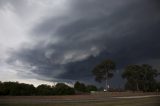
132	74
140	77
104	71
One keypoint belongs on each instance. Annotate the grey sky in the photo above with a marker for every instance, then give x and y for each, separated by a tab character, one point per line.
62	40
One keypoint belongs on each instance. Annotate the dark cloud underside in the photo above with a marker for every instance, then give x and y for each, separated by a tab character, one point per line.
126	31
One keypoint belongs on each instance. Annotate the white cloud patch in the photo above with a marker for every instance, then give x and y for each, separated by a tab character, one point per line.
17	18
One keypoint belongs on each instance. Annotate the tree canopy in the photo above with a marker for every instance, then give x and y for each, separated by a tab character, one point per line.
81	87
62	89
15	88
104	71
18	89
140	77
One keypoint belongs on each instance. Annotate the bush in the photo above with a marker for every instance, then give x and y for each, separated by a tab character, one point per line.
15	88
80	87
19	89
63	89
44	90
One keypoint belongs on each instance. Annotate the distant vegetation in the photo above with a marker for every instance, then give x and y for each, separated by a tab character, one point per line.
81	87
138	78
141	78
19	89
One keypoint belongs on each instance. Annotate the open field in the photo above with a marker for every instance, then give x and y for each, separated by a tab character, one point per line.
80	100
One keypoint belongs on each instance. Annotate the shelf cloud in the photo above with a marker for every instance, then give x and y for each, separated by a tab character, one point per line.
62	40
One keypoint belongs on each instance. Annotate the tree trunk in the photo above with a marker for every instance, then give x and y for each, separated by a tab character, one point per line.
106	84
137	86
107	70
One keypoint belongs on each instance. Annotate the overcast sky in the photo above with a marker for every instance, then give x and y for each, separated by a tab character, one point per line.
43	41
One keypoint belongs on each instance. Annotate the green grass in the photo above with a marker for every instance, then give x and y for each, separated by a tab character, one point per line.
152	101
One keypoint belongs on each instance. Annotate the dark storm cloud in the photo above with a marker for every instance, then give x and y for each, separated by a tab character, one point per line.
125	30
34	60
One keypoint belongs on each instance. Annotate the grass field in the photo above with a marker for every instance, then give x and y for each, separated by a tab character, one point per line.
82	100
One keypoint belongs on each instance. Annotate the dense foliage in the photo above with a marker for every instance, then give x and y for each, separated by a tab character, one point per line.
81	87
61	89
45	90
140	78
104	70
15	88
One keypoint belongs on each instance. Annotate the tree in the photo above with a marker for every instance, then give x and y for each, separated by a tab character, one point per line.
148	75
15	88
104	71
63	89
132	74
80	87
140	77
22	89
44	90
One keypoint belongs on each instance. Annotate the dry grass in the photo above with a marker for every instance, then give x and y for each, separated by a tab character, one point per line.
78	100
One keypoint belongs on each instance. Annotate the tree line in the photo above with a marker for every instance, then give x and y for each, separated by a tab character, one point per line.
138	77
20	89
